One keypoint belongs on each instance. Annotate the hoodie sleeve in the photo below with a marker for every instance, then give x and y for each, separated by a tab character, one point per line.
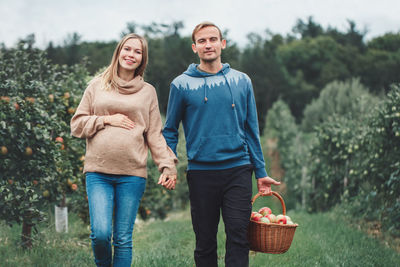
84	124
162	155
253	136
174	116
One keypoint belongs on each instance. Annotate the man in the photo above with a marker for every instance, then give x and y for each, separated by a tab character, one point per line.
217	108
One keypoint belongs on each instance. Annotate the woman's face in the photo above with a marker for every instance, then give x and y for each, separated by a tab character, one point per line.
130	56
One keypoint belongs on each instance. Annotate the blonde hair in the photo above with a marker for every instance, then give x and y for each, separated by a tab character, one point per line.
203	25
107	76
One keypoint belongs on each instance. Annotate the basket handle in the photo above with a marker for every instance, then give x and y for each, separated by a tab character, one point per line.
275	194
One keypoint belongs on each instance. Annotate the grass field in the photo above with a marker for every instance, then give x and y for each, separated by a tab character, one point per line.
320	240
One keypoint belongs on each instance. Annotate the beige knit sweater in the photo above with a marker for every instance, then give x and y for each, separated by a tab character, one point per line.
115	150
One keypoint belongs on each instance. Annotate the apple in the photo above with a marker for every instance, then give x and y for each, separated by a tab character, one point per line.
74	187
28	151
16	105
59	139
4	150
66	95
6	99
35	182
288	218
10	181
71	111
281	219
51	98
265	211
69	182
271	217
82	158
46	193
30	99
62	147
257	217
264	220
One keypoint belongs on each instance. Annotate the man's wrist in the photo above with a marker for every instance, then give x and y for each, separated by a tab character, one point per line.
260	173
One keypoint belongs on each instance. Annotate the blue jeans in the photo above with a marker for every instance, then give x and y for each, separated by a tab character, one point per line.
113	198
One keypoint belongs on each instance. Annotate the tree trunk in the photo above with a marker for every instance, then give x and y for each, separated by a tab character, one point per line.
63	202
26	236
303	184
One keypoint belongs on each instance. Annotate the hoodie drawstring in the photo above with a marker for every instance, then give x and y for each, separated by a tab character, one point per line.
230	90
205	90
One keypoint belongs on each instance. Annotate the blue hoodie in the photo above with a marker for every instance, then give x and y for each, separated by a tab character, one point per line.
219	117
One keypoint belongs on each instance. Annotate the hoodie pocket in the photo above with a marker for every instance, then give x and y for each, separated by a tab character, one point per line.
219	148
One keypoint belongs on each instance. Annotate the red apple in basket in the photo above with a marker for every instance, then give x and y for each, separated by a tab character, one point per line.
265	211
271	217
281	219
256	217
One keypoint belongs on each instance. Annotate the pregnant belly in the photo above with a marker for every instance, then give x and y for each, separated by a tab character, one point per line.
118	142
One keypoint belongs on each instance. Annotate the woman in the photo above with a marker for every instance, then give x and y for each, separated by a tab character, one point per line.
120	119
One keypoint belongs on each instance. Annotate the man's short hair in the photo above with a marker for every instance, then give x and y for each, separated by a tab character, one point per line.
203	25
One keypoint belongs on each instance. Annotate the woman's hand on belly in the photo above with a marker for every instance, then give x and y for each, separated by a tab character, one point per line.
119	120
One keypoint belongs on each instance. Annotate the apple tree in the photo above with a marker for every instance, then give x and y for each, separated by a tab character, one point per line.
36	166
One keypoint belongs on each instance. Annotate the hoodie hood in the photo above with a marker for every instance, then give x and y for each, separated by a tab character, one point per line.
193	71
130	87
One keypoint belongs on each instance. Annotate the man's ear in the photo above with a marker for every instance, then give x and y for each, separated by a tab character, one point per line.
194	48
223	42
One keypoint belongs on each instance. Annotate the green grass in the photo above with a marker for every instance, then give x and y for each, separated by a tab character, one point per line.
49	247
320	240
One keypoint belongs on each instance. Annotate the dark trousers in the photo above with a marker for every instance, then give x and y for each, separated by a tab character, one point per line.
213	191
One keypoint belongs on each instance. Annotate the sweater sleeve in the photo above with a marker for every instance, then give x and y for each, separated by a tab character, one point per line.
174	117
162	155
84	124
253	137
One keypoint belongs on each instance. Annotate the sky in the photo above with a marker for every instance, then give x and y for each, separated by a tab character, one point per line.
104	20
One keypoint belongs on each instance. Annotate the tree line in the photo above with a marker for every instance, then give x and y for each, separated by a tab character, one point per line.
294	68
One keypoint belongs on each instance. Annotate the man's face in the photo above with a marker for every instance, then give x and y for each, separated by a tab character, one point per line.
208	44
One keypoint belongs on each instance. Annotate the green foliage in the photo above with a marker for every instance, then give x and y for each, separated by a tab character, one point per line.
281	124
321	59
309	29
269	76
33	169
387	42
351	154
357	161
293	148
379	69
337	98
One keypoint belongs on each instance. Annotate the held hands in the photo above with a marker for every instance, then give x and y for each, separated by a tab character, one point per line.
119	120
168	181
264	185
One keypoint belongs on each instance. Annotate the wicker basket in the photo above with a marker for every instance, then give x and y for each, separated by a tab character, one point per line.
271	237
